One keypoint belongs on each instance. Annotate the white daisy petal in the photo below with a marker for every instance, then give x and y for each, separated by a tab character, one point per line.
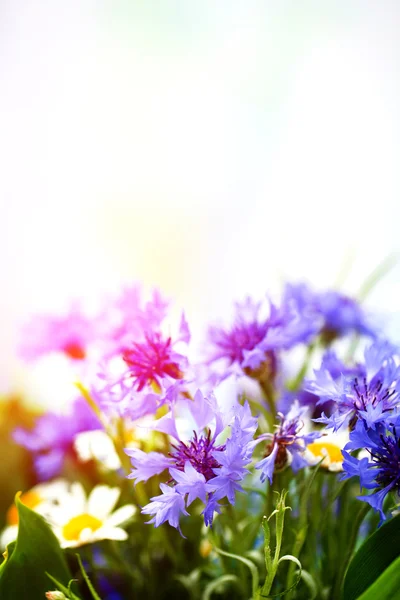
102	501
8	535
76	501
111	533
121	515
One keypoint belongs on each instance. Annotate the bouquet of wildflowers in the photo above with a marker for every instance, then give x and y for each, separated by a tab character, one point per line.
261	462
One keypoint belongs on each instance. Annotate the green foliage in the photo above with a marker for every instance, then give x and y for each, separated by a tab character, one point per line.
36	552
387	586
372	560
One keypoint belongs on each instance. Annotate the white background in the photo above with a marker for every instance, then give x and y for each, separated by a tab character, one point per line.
211	148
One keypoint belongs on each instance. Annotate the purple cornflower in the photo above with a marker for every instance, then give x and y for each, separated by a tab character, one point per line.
51	441
380	471
287	444
201	467
251	342
337	313
153	360
370	394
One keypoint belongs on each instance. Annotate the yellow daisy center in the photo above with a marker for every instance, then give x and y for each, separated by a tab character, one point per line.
73	529
30	499
328	450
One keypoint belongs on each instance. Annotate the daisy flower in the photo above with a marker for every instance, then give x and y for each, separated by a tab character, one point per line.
79	520
329	447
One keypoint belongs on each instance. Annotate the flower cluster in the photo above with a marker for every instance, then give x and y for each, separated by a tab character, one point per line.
295	411
367	391
366	399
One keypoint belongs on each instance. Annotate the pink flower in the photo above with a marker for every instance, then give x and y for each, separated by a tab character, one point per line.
70	334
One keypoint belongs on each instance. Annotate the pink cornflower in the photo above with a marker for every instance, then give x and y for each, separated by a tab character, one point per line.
147	373
69	334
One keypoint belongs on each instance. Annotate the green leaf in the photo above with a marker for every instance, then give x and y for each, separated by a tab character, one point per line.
218	584
252	567
371	560
387	586
23	573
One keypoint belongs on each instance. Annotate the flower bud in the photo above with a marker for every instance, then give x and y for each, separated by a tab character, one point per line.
56	595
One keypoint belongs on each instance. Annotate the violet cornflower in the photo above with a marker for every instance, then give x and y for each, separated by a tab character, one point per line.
201	467
370	394
51	441
380	471
251	343
287	444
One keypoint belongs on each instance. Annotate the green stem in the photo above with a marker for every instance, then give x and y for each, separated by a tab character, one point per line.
272	565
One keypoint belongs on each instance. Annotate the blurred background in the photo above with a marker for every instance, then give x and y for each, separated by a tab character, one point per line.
213	149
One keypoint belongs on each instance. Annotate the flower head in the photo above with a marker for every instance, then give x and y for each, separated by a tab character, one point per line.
251	342
328	449
337	313
153	360
381	470
69	334
201	467
369	392
145	374
287	444
79	520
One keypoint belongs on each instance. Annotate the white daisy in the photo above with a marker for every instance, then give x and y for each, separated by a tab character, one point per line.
80	520
328	447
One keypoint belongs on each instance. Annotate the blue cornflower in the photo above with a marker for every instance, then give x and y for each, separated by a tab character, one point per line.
337	313
286	445
380	471
307	394
201	467
369	393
